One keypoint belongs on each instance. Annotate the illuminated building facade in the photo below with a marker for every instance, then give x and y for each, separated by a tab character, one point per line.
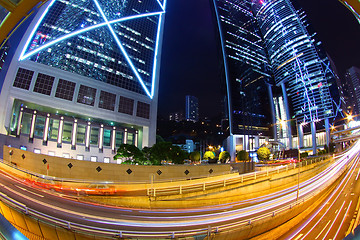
191	108
84	79
352	77
275	72
248	79
296	64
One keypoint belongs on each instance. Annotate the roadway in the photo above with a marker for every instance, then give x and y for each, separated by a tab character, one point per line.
147	222
337	215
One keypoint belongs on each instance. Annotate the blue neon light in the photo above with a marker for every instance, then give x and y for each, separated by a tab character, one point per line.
107	23
36	27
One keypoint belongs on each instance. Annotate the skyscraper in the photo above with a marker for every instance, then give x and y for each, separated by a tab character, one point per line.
270	55
191	108
352	77
85	78
247	74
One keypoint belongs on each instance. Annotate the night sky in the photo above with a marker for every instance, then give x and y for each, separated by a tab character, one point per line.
190	58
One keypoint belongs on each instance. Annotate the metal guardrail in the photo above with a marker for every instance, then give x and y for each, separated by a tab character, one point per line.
111	233
196	187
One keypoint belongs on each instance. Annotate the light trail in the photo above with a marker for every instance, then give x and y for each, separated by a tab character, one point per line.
199	218
342	221
332	224
342	185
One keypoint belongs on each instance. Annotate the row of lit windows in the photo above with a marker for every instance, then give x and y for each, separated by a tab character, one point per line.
86	95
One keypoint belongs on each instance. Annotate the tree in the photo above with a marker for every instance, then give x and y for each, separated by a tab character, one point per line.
263	153
194	156
166	151
127	152
209	155
242	156
224	156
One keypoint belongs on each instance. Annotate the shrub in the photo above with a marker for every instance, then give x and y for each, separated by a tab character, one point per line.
242	155
263	153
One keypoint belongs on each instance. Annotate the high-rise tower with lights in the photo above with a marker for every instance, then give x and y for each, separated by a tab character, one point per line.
271	61
84	79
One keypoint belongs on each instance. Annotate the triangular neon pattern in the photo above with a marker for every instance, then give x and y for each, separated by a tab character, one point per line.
134	60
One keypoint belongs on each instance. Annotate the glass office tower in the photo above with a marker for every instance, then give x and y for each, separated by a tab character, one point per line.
267	49
84	78
246	68
295	63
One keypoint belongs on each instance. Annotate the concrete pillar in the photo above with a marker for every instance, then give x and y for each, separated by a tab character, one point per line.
46	129
272	107
313	137
32	127
125	136
327	129
300	135
87	136
246	142
136	138
113	140
21	114
286	105
73	135
231	145
60	132
257	141
101	138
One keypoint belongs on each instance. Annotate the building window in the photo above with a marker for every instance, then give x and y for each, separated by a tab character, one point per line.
126	105
51	153
80	157
53	129
39	126
143	110
44	84
93	158
119	138
65	90
86	95
80	134
26	123
106	159
66	155
36	150
67	131
23	78
131	139
107	137
107	100
94	136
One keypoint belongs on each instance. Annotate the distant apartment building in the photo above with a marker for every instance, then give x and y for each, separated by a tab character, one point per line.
176	116
191	108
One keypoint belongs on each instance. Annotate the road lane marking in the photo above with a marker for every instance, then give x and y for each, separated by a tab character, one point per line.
299	236
334	220
357	216
24	189
323	229
357	176
342	221
350	227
